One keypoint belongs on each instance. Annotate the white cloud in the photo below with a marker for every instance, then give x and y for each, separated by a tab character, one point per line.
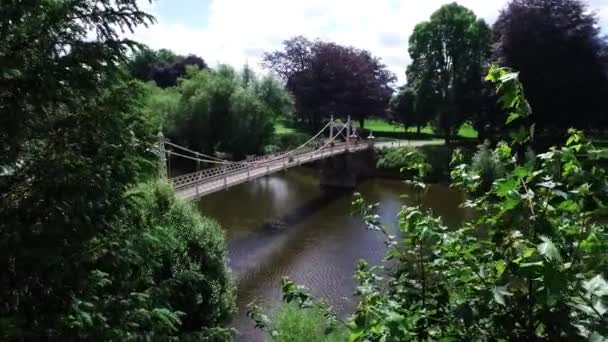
239	31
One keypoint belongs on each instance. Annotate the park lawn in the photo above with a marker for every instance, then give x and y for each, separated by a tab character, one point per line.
379	125
280	128
466	131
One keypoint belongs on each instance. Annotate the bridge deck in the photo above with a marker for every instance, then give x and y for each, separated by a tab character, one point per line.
207	181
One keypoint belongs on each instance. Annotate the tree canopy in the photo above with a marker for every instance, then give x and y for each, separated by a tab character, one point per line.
226	110
556	47
162	66
449	53
329	79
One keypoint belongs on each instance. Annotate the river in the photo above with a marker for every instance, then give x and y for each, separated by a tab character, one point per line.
285	225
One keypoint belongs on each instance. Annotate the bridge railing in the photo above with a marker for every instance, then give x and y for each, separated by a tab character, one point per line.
288	159
224	171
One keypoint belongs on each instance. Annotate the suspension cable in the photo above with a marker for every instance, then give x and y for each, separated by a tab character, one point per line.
193	152
199	159
304	144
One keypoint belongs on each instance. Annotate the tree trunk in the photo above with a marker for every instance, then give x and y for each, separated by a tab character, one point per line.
418	129
362	123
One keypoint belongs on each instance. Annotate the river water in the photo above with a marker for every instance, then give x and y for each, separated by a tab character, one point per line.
285	225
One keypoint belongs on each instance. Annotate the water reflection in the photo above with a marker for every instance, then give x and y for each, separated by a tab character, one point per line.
285	225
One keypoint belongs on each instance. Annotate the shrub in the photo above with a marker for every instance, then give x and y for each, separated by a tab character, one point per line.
488	165
289	141
436	158
303	325
160	273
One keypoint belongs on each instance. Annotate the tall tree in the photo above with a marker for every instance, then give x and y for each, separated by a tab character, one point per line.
448	55
556	47
402	108
330	79
83	255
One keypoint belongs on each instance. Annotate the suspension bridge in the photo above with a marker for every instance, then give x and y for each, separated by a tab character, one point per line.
342	138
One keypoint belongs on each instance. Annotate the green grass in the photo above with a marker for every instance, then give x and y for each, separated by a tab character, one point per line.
380	125
466	131
281	128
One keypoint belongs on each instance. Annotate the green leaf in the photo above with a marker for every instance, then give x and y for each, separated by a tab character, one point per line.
521	172
499	293
501	265
597	286
597	337
505	186
512	117
569	206
591	243
548	250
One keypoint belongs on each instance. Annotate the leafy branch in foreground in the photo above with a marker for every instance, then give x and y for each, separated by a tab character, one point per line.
298	296
531	266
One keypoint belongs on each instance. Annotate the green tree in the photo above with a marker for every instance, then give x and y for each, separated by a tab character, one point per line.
77	262
448	54
217	111
402	107
141	64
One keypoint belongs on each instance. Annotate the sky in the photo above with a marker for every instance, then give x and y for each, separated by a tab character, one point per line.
238	32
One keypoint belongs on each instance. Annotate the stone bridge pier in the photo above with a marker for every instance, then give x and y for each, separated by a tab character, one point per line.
344	170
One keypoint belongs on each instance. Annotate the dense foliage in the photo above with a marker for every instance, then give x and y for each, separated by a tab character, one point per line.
225	110
449	53
329	79
163	66
159	273
556	46
81	256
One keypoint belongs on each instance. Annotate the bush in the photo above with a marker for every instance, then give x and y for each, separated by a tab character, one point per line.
488	165
436	158
293	324
160	273
289	141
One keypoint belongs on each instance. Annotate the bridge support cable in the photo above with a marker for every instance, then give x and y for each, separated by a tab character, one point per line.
329	124
193	152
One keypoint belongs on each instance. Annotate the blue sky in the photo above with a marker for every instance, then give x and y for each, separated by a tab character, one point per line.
239	31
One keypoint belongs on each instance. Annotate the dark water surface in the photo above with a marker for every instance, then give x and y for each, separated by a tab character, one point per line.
285	225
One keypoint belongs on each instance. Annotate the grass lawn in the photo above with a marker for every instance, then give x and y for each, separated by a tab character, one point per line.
466	131
379	125
280	128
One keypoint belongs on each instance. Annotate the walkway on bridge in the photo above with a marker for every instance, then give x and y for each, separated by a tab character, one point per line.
229	173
